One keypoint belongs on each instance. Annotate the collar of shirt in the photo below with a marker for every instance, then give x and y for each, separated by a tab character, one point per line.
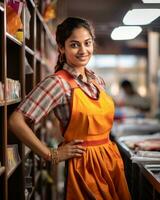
90	74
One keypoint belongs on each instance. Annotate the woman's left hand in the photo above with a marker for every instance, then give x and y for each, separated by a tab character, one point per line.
70	150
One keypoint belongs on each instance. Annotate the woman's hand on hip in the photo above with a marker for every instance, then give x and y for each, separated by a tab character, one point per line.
70	150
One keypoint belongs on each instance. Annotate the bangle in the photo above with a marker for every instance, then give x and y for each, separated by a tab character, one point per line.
54	156
48	156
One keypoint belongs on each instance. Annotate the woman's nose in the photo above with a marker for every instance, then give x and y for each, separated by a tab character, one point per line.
82	49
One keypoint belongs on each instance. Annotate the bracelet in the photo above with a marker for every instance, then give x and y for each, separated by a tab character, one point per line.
48	156
54	156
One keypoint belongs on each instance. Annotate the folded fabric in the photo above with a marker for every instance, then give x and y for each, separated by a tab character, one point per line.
151	154
149	144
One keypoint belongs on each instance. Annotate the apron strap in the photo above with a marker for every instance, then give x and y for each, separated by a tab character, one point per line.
69	78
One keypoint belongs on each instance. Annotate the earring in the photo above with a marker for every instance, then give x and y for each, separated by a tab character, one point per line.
61	58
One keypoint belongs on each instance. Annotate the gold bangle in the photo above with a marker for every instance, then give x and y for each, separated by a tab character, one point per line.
54	156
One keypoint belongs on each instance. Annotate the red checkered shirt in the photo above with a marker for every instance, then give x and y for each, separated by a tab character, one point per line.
54	94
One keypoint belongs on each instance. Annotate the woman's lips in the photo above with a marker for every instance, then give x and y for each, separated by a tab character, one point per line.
82	57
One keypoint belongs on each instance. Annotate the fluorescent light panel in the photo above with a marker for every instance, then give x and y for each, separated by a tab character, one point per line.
141	16
151	1
113	61
125	32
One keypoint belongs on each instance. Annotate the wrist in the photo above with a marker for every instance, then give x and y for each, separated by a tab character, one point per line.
54	156
48	157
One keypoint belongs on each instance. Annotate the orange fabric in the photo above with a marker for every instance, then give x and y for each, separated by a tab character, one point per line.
99	173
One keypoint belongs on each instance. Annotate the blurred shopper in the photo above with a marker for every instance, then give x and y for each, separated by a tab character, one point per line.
131	98
76	95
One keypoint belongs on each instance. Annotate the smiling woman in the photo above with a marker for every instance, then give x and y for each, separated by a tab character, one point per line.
78	49
77	96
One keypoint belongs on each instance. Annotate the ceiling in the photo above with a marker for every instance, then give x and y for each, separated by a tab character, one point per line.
105	15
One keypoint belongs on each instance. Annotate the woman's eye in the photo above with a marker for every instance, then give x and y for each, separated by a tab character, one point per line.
74	45
88	43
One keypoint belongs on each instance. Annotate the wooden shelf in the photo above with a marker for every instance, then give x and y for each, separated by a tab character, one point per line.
38	57
13	39
2	170
14	101
10	102
40	43
45	26
29	50
41	60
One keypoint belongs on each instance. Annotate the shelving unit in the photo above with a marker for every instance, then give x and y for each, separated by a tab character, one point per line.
13	55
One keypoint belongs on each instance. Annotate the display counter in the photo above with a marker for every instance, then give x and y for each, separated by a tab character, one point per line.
143	176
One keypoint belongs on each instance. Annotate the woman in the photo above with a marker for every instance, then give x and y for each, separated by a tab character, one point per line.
78	99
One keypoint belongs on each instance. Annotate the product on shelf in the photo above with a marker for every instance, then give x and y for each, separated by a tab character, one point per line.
49	12
19	35
12	157
141	142
149	144
13	10
13	89
16	5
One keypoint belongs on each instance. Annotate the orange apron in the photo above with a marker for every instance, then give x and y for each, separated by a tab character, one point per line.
99	173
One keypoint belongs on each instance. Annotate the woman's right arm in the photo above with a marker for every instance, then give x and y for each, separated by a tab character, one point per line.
20	128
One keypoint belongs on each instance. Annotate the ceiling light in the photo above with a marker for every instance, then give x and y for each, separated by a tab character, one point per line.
125	32
151	1
141	16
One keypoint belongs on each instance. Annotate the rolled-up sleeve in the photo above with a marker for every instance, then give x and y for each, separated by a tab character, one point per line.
44	97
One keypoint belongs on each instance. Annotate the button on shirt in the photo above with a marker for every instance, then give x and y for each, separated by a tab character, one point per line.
54	94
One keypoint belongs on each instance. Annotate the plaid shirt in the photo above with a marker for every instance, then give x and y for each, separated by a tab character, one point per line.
54	94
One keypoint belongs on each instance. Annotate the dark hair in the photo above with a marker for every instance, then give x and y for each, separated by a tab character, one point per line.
126	83
63	32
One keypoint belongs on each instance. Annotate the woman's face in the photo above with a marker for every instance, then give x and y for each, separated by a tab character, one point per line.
78	48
